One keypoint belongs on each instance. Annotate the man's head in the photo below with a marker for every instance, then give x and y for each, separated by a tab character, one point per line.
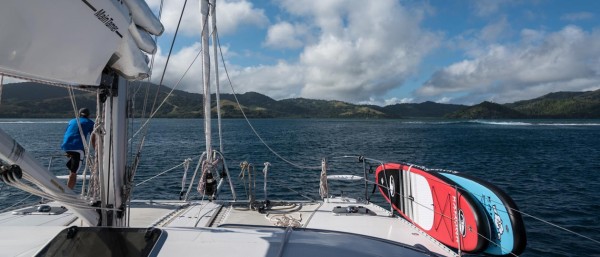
84	112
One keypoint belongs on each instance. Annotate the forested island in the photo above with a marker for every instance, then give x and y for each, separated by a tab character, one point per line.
33	100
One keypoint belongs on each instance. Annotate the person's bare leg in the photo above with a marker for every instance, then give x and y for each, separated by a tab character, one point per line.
72	179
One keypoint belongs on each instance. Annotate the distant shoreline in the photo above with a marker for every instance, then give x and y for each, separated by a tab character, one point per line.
53	103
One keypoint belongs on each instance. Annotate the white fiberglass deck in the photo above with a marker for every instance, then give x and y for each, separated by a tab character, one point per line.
219	226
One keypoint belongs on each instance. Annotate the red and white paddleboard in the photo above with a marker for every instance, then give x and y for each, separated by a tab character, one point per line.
432	203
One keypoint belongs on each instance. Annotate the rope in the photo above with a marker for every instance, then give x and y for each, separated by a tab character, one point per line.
94	186
226	169
199	217
166	97
402	195
265	172
162	77
519	211
247	168
76	112
17	203
283	220
73	200
203	156
560	227
323	188
186	167
207	169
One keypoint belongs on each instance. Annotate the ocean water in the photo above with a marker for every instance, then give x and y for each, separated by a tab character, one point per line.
551	168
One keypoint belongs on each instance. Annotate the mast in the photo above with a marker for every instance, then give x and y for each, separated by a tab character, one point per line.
206	77
218	92
114	149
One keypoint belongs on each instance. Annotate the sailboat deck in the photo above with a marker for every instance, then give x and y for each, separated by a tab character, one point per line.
342	215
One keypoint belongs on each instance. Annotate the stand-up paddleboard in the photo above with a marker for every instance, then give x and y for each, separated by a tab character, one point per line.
508	229
429	200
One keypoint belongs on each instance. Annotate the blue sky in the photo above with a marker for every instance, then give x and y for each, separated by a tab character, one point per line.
384	51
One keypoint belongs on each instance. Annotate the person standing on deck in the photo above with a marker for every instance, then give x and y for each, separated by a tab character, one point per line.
73	145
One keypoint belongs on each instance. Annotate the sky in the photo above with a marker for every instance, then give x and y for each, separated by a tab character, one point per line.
385	52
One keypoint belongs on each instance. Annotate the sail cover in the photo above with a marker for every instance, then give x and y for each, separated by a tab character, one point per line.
69	42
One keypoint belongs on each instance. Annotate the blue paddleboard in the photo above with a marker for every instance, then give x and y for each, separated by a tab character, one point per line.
508	231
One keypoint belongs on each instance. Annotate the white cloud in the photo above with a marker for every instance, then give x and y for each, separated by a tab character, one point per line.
263	79
444	100
234	14
346	56
577	16
395	100
279	81
488	7
230	16
343	55
541	63
530	36
386	102
286	35
178	64
357	57
494	31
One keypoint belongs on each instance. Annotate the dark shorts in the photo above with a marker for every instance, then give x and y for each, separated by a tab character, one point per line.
75	159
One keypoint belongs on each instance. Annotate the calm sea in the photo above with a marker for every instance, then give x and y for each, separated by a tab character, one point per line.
551	168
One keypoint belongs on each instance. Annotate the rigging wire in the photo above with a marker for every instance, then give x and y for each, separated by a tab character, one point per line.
217	87
248	121
154	111
17	203
157	175
137	156
165	100
560	227
162	77
1	87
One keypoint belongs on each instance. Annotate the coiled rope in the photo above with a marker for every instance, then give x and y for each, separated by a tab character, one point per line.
285	220
323	188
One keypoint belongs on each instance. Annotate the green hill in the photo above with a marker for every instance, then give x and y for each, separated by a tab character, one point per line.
561	105
309	108
486	110
33	100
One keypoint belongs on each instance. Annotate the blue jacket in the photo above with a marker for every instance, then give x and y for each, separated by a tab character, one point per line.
72	139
